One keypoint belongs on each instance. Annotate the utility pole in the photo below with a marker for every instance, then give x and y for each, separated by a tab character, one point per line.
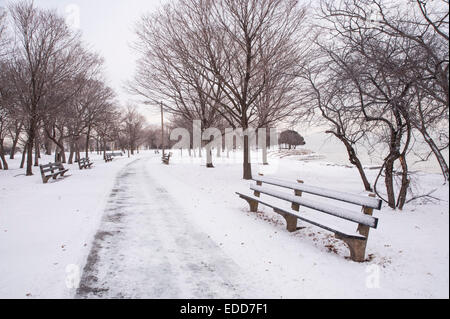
162	129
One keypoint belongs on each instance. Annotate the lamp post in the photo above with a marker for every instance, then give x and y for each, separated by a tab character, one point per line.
162	129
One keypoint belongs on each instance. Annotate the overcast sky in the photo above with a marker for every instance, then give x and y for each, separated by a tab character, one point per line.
107	27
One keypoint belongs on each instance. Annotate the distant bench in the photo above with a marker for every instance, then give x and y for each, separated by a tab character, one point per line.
355	241
84	163
115	154
166	158
108	158
52	170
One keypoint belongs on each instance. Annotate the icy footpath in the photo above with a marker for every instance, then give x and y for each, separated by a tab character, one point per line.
46	230
147	247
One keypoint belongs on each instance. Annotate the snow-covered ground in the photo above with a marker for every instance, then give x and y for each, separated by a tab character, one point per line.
45	229
180	231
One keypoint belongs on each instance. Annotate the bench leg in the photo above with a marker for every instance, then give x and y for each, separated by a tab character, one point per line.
45	179
357	248
253	205
291	221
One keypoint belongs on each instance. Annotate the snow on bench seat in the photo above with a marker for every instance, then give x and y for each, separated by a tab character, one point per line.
329	193
310	220
325	208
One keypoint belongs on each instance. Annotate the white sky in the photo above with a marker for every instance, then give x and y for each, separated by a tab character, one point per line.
108	28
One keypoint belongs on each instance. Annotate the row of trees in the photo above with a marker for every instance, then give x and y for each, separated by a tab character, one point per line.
225	63
379	78
52	92
375	72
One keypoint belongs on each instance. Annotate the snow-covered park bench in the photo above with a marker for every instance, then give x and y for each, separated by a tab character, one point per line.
52	170
84	163
356	241
166	158
108	158
115	154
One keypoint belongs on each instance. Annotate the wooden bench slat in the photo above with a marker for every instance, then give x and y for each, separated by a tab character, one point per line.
342	196
45	170
84	163
310	221
52	170
325	208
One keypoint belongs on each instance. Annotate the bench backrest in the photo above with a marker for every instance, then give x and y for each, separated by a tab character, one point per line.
51	167
325	208
115	154
366	201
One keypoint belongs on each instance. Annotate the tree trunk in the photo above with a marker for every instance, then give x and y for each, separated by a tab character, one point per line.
247	166
29	169
60	153
389	181
209	163
14	146
2	156
88	137
15	140
24	151
48	146
405	183
30	144
36	153
438	154
71	152
353	158
77	151
264	156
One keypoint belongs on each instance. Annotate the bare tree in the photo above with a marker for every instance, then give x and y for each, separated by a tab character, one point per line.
100	96
331	102
422	31
239	48
133	127
107	126
381	70
4	112
291	138
4	122
172	78
4	40
47	57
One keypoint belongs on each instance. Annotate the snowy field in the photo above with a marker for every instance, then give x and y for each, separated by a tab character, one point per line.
145	230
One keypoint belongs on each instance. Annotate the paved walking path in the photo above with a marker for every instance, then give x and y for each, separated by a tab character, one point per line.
146	247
